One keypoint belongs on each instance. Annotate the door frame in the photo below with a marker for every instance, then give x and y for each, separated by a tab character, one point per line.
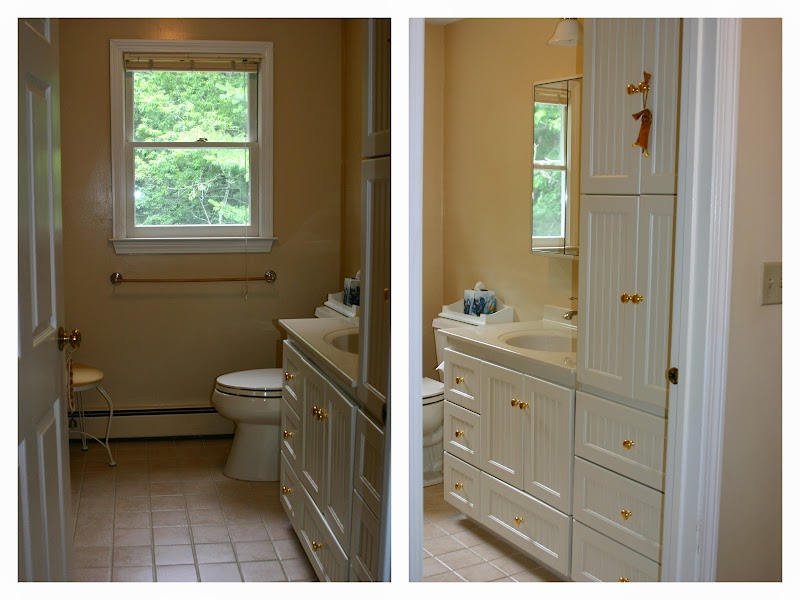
701	295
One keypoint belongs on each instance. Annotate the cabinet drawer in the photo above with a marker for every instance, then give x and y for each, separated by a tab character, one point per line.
596	557
368	480
621	508
293	368
462	486
541	531
291	434
291	492
365	542
620	438
462	433
327	557
462	380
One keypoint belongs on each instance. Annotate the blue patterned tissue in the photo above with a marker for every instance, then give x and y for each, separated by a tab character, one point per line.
479	302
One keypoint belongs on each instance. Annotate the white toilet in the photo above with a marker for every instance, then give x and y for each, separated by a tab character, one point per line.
252	400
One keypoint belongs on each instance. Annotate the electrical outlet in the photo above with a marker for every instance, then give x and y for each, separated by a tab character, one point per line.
771	283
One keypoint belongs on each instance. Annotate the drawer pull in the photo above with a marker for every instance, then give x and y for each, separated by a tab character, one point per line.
628	444
459	380
288	434
514	402
625	514
523	405
322	415
636	298
286	490
459	433
625	298
459	486
624	580
519	520
288	376
315	546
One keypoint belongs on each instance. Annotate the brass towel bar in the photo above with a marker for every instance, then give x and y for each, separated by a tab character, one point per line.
117	278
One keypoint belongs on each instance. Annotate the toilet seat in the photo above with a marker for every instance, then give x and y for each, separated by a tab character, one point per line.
255	383
432	391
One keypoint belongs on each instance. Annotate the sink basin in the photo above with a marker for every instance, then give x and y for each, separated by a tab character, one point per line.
544	341
346	341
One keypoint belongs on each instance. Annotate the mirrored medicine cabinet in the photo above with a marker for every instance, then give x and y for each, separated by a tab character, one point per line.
555	193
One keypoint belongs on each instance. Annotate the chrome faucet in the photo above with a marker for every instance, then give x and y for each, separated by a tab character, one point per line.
569	314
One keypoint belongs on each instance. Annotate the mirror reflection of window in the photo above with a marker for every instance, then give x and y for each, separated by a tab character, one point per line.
556	135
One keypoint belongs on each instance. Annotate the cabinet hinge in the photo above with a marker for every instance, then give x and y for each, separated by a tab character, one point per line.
672	375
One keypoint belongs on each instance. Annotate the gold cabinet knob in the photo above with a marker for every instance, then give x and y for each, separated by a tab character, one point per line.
322	415
624	580
459	486
523	405
519	520
315	411
514	402
286	490
459	380
636	298
315	546
628	444
625	514
459	433
288	376
624	298
288	434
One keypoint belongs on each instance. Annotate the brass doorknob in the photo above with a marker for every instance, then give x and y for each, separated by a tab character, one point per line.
73	339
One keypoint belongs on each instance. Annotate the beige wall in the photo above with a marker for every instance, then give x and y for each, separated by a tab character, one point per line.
750	509
432	193
353	59
485	81
163	344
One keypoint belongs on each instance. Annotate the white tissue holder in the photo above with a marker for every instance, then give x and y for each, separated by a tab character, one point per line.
336	302
455	311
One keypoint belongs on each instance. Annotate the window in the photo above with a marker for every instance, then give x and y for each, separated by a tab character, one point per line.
549	169
191	146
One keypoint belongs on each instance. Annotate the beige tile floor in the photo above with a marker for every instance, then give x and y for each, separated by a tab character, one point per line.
457	548
167	513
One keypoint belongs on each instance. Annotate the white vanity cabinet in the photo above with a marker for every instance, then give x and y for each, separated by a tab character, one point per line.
616	53
625	283
508	441
317	463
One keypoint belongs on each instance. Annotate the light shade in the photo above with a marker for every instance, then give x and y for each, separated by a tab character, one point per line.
567	33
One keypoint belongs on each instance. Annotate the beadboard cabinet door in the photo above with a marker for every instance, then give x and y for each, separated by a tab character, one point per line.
377	101
625	279
374	342
616	54
502	423
313	464
339	419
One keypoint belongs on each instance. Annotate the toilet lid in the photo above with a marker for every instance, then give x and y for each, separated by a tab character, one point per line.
256	382
432	391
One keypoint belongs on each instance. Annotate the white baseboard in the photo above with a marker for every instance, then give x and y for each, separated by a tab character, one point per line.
129	425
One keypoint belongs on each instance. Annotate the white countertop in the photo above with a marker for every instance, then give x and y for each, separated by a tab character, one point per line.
310	334
488	343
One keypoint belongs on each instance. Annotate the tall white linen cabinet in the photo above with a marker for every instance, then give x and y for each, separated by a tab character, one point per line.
625	286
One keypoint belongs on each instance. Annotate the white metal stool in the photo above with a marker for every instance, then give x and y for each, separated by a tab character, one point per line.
86	378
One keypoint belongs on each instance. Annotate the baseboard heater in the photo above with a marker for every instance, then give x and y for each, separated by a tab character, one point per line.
157	422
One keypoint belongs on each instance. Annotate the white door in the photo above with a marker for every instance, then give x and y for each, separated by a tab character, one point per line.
502	423
43	469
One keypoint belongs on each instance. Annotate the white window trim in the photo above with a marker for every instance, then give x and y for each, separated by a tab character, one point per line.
123	243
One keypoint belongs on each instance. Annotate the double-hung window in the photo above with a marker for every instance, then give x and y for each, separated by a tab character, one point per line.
191	146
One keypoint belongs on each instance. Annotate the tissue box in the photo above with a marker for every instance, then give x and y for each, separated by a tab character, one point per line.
479	302
352	292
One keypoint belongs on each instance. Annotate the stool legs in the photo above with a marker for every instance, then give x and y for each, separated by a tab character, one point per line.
81	429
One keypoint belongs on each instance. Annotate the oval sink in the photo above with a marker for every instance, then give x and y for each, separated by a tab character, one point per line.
544	341
344	341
